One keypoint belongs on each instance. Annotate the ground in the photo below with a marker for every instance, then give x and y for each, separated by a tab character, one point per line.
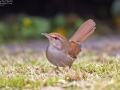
24	66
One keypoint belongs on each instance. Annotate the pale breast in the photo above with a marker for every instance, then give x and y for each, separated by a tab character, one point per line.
58	57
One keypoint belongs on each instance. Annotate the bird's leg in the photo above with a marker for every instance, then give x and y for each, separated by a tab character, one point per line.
70	67
57	69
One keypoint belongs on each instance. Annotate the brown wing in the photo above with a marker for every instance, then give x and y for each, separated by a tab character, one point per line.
74	50
84	31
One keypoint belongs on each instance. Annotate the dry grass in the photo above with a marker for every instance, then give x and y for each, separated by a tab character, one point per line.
29	70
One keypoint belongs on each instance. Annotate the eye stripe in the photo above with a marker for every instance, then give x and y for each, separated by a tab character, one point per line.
56	37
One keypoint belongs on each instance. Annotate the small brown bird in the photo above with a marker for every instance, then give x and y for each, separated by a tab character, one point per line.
62	52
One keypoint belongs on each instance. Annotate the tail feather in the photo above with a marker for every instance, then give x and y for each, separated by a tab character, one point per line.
84	31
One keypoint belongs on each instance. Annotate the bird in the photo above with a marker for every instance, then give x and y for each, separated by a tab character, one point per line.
62	52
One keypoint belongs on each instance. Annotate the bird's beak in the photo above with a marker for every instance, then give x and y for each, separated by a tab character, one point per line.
45	34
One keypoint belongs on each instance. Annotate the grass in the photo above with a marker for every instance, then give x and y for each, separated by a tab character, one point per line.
32	71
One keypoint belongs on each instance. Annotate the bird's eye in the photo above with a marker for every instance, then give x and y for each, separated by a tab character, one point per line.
56	38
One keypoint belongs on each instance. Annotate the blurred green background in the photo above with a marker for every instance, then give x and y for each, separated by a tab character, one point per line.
27	19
